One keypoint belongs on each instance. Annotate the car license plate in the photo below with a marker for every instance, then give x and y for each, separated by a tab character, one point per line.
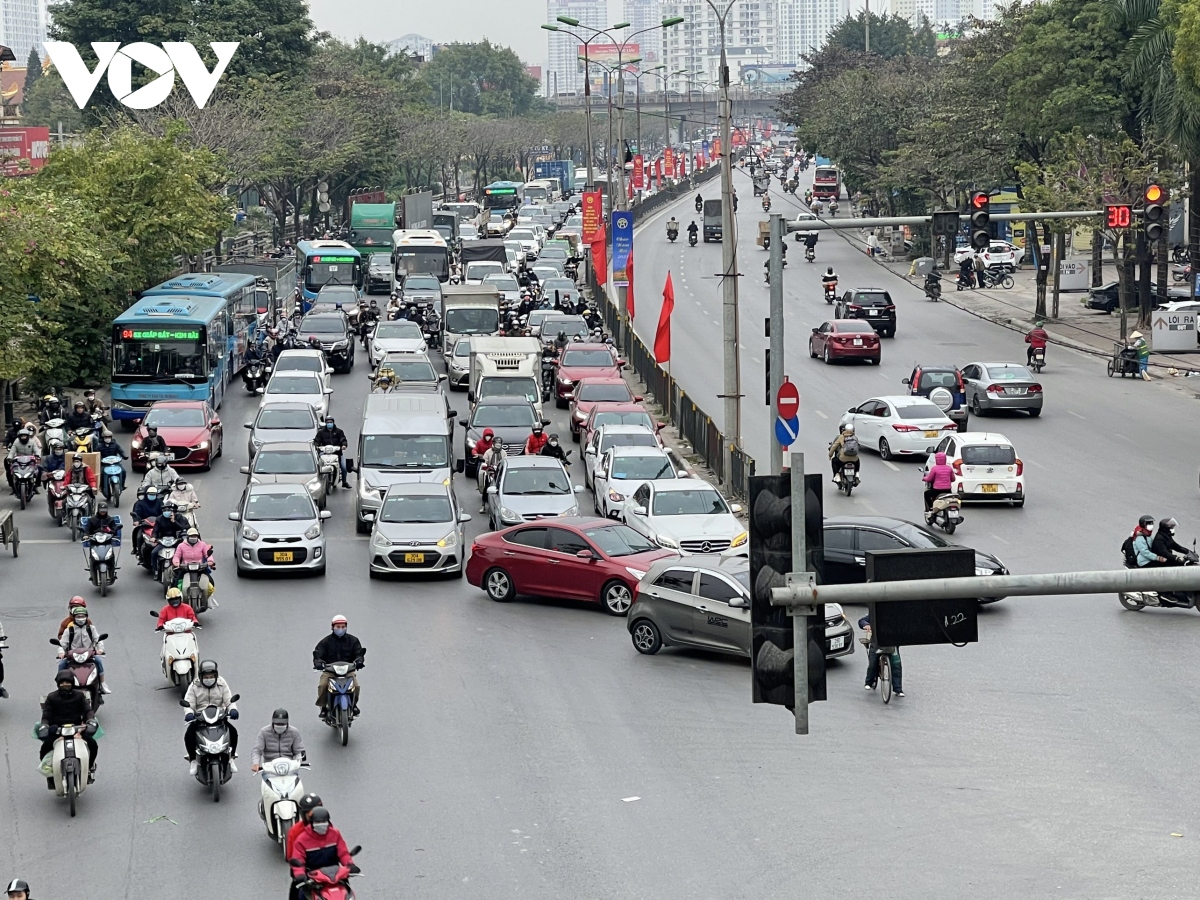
283	556
837	643
1017	391
872	312
414	558
991	488
858	342
930	434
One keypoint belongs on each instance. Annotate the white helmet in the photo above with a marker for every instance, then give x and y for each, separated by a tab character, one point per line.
848	429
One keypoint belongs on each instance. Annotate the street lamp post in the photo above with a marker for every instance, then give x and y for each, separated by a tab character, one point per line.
638	78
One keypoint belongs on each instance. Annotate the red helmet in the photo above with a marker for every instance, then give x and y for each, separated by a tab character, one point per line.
76	601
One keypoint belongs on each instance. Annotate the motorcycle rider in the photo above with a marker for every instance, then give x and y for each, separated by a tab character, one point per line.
554	448
81	474
100	521
194	550
175	608
161	473
844	448
55	459
148	506
940	479
337	646
1036	339
18	889
78	417
166	525
81	634
830	277
329	435
484	444
181	493
1165	546
810	243
318	845
537	440
93	404
699	203
154	442
1142	544
692	229
307	804
17	426
672	227
276	740
24	444
107	446
3	647
51	409
67	706
487	470
208	689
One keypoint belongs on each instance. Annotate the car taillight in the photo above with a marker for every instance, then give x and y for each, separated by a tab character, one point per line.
995	389
950	426
902	427
1020	467
891	307
962	388
957	466
853	308
1035	389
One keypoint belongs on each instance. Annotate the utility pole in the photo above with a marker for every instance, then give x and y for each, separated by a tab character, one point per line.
777	362
867	28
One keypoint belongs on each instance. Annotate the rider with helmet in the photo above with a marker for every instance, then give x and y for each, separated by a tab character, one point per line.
169	524
81	474
55	459
153	442
1166	547
329	435
51	409
279	739
537	440
337	646
1142	544
67	706
161	473
194	550
79	417
175	608
209	689
100	521
18	889
844	448
81	634
319	845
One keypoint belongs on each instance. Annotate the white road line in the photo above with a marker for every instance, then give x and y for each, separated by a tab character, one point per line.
1038	464
1076	415
821	414
891	465
1123	437
1000	539
868	506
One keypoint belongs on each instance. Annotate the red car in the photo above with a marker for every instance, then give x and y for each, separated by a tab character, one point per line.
573	558
581	360
844	339
190	428
590	393
617	414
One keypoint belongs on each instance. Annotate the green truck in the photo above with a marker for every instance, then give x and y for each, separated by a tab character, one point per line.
371	227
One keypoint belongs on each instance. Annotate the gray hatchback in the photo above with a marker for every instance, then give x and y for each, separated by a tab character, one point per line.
704	602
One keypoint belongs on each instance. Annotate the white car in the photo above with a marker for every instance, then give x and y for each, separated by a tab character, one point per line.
623	470
477	271
687	515
898	426
510	290
526	238
304	361
986	467
399	336
612	435
468	232
998	253
298	387
802	220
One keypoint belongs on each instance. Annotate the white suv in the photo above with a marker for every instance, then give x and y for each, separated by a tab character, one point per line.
998	253
986	467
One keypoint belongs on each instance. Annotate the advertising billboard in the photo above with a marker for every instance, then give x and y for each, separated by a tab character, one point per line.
23	151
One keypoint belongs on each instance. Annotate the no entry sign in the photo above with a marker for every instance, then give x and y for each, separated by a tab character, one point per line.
787	401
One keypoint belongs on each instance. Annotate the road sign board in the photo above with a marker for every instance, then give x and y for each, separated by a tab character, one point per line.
787	400
787	430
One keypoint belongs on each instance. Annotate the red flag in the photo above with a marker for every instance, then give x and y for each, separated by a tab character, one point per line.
600	259
662	337
629	289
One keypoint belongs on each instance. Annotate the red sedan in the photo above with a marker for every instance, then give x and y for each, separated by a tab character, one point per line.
579	360
844	339
618	414
573	558
590	393
190	428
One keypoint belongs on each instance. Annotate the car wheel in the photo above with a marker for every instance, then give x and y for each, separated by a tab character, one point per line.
241	573
974	405
826	357
885	449
576	436
646	637
1035	412
616	598
874	361
361	527
812	351
320	573
498	585
963	425
891	332
371	573
560	403
1019	503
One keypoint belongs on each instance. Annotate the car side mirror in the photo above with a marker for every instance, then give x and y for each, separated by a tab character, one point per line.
906	381
328	390
739	602
235	517
585	554
639	510
579	488
368	517
851	409
816	331
451	413
492	489
245	470
249	425
260	390
545	421
463	518
735	507
214	421
462	422
325	514
470	396
350	465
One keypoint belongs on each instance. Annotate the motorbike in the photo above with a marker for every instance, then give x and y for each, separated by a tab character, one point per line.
945	513
255	376
53	430
78	506
24	477
1136	601
329	882
339	699
810	253
766	203
69	763
699	204
692	238
830	291
112	477
833	208
213	750
180	652
56	497
165	548
142	530
933	287
1037	360
82	665
1179	253
672	233
1181	273
100	556
279	806
331	466
83	440
963	282
847	477
194	593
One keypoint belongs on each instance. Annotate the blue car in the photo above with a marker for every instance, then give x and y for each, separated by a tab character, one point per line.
943	386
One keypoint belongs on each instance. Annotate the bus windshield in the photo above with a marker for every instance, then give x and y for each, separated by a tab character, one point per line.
160	354
433	261
330	270
371	237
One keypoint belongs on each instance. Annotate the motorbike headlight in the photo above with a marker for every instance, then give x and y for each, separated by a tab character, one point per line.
313	532
740	539
666	542
980	570
508	515
450	540
249	533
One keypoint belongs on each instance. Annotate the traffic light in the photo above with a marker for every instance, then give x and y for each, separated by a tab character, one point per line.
772	645
1153	213
980	212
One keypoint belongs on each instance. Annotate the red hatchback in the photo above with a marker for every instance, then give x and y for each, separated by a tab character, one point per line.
580	360
844	339
572	558
590	393
618	414
190	428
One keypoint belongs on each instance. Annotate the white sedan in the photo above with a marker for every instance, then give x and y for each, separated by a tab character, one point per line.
622	471
898	426
399	336
998	253
298	387
688	515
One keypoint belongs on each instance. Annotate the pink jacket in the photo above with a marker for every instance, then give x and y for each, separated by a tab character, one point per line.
940	477
185	553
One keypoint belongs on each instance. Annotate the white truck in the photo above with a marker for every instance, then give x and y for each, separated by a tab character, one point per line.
468	310
506	367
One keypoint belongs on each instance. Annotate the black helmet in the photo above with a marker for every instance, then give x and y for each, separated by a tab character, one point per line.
151	430
319	814
17	884
160	462
64	676
279	717
102	508
1146	522
208	667
538	427
309	802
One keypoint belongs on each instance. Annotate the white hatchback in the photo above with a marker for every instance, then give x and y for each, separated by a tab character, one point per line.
898	426
986	467
298	387
622	470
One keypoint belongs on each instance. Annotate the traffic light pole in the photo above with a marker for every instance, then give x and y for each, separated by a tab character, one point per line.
801	611
778	369
838	224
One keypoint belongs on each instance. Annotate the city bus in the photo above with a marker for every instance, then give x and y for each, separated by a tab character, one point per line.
827	182
504	195
185	339
420	250
319	263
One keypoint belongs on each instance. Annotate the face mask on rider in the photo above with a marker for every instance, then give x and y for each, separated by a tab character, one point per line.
340	632
193	540
65	687
80	621
278	729
209	681
320	827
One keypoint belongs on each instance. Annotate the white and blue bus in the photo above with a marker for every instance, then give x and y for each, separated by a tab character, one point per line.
185	339
319	263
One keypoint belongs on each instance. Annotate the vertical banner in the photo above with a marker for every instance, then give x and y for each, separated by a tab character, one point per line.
593	209
639	172
704	148
658	174
669	162
716	148
622	246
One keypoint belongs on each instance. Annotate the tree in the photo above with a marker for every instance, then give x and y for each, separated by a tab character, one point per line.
33	71
480	78
891	36
49	103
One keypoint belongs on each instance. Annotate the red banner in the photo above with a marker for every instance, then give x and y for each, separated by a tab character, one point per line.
23	151
662	335
600	258
669	161
716	148
593	212
629	287
639	172
658	167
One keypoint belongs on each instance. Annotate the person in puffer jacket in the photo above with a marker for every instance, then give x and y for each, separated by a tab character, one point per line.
208	689
194	550
940	479
276	740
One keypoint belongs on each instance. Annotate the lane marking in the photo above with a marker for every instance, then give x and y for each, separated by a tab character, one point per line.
1038	464
1124	437
1000	539
821	414
1076	415
890	465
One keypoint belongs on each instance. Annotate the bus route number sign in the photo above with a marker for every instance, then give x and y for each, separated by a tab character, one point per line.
135	334
325	260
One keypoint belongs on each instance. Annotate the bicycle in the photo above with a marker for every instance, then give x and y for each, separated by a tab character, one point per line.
883	674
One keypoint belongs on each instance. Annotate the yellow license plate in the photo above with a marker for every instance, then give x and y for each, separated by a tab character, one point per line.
931	434
414	557
283	556
991	488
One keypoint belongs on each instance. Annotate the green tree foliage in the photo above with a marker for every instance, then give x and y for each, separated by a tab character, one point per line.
49	103
480	78
33	70
891	36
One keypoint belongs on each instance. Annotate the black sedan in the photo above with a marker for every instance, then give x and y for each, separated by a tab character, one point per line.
848	538
511	420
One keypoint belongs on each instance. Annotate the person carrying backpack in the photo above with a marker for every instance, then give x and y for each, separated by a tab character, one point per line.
844	449
1138	547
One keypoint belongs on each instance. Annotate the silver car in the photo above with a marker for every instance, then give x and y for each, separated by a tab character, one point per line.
419	529
410	368
1001	385
528	488
281	423
278	530
704	602
295	462
458	364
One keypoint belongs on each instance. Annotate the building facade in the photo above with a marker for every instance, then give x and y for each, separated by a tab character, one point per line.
805	24
23	27
564	71
644	16
415	45
751	28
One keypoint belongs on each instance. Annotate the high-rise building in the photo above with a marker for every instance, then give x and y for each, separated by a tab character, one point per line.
415	45
23	27
805	24
695	44
564	72
645	16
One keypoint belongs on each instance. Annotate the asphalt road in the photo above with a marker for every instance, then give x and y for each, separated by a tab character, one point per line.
526	750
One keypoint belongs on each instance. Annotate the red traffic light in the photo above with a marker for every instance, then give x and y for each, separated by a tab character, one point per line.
1154	193
1118	216
979	200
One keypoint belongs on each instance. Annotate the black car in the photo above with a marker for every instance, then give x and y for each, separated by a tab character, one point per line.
511	420
944	387
848	538
1108	299
379	273
335	334
873	305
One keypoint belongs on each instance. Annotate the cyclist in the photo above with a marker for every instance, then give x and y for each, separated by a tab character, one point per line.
873	662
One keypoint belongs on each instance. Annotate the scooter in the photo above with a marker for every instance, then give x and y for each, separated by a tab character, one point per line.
54	431
83	440
933	287
56	497
255	375
78	507
766	203
945	513
331	467
810	253
82	665
279	806
830	291
339	699
329	882
166	552
69	763
112	476
213	748
1138	600
100	556
672	233
194	593
24	477
1037	360
692	238
180	652
699	204
847	477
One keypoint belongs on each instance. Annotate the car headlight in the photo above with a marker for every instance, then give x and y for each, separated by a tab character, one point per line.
740	539
378	540
508	515
980	570
565	382
314	532
340	345
573	511
313	485
615	497
639	574
249	533
203	445
450	540
666	542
